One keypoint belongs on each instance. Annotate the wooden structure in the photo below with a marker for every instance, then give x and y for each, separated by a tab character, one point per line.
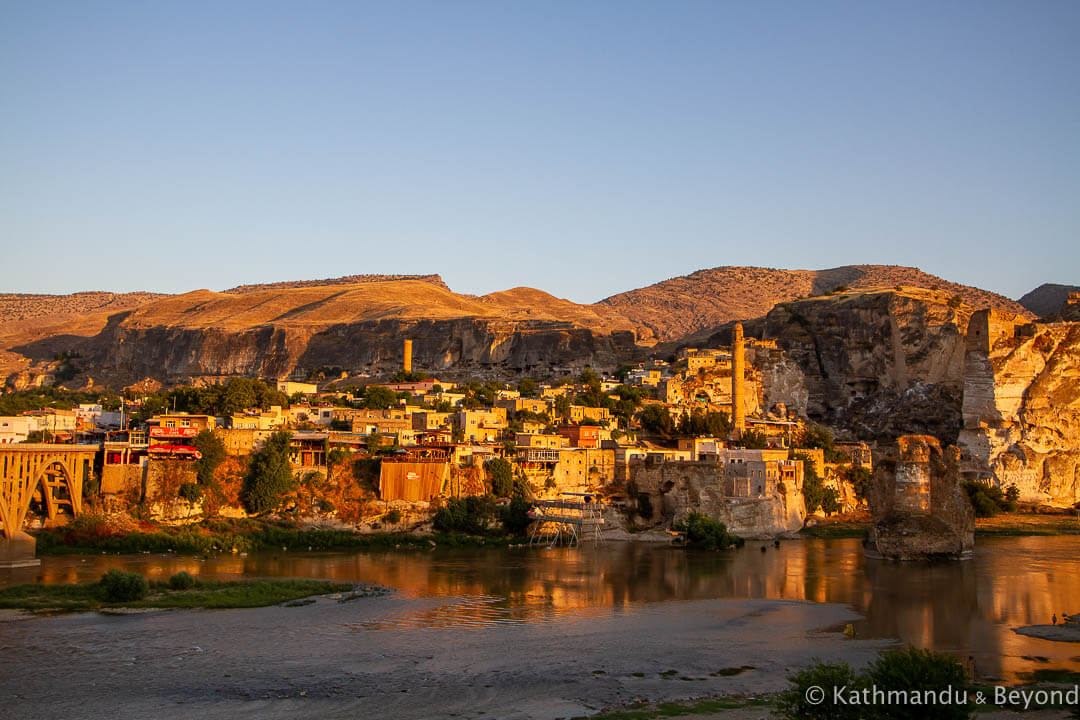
51	474
578	517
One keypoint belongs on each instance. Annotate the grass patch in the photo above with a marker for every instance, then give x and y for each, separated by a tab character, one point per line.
681	709
1047	675
210	594
836	530
217	536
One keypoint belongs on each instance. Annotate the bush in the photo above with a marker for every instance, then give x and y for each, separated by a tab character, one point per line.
915	669
709	533
468	515
502	476
181	581
118	586
393	517
515	516
792	704
191	492
988	500
908	669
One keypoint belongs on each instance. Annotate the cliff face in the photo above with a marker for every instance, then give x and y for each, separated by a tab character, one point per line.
1021	405
877	363
1048	298
358	327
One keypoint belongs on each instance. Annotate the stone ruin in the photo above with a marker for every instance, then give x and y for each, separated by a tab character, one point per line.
919	506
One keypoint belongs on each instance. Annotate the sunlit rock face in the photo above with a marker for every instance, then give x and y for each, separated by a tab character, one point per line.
874	363
918	502
1022	405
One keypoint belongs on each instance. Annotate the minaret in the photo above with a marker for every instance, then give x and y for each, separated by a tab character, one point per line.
407	366
738	370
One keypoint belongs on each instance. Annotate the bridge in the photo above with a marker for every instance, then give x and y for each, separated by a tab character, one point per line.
53	475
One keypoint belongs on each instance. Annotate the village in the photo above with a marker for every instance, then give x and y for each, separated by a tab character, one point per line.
651	443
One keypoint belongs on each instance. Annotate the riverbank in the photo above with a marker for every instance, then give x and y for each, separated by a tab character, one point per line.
200	594
1005	524
240	536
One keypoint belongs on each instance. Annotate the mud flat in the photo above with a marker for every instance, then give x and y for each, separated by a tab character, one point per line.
406	657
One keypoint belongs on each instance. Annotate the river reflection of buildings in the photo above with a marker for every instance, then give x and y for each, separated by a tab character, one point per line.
966	607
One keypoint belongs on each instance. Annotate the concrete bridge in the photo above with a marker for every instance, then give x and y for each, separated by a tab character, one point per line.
51	474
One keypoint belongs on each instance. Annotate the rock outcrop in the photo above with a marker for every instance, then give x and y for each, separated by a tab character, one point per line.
1021	405
876	363
919	506
1047	299
676	489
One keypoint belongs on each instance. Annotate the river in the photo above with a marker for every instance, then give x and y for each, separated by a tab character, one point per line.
967	608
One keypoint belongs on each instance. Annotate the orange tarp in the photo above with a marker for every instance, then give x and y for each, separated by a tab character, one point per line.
412	480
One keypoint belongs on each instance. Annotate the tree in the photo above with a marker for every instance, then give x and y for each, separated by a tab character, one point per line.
562	406
269	475
815	494
378	397
656	419
527	387
213	454
501	473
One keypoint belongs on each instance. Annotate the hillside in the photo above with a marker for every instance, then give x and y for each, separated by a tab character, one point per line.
707	298
1048	298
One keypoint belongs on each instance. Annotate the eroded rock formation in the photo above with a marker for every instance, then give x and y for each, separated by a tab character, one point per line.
920	509
1021	405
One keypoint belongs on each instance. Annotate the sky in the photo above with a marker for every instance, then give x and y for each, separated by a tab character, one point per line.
583	148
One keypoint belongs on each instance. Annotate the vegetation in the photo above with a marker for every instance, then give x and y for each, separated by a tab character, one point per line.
988	500
818	436
860	479
713	424
117	586
501	473
269	475
708	533
14	403
656	419
527	388
187	593
470	515
907	669
815	494
753	440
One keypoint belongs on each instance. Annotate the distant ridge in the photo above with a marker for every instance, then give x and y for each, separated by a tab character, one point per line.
1048	298
344	280
707	298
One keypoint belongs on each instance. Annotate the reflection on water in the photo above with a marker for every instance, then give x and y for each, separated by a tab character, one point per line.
966	608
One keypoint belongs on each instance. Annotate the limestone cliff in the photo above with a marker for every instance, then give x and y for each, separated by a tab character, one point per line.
357	327
1021	405
878	363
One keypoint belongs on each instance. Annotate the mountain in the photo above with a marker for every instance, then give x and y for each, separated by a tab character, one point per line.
1048	298
705	299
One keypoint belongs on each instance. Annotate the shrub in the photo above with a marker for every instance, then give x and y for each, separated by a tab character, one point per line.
181	581
118	586
915	669
792	704
988	500
502	476
515	516
468	515
904	670
393	517
191	492
709	533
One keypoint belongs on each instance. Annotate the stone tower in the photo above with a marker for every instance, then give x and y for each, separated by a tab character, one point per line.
738	371
407	365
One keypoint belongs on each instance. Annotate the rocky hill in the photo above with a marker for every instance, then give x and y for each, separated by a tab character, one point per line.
1048	298
708	298
355	326
15	307
345	280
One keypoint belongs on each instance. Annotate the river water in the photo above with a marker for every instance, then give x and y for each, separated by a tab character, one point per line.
967	608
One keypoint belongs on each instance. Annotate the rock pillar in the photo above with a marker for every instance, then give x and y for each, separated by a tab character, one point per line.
738	372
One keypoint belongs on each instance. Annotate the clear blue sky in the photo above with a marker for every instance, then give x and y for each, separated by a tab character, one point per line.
584	148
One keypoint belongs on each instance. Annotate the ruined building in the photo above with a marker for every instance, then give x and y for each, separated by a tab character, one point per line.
920	508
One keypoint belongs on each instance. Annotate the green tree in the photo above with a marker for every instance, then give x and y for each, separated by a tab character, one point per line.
501	473
269	476
213	454
527	387
562	406
378	397
656	419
